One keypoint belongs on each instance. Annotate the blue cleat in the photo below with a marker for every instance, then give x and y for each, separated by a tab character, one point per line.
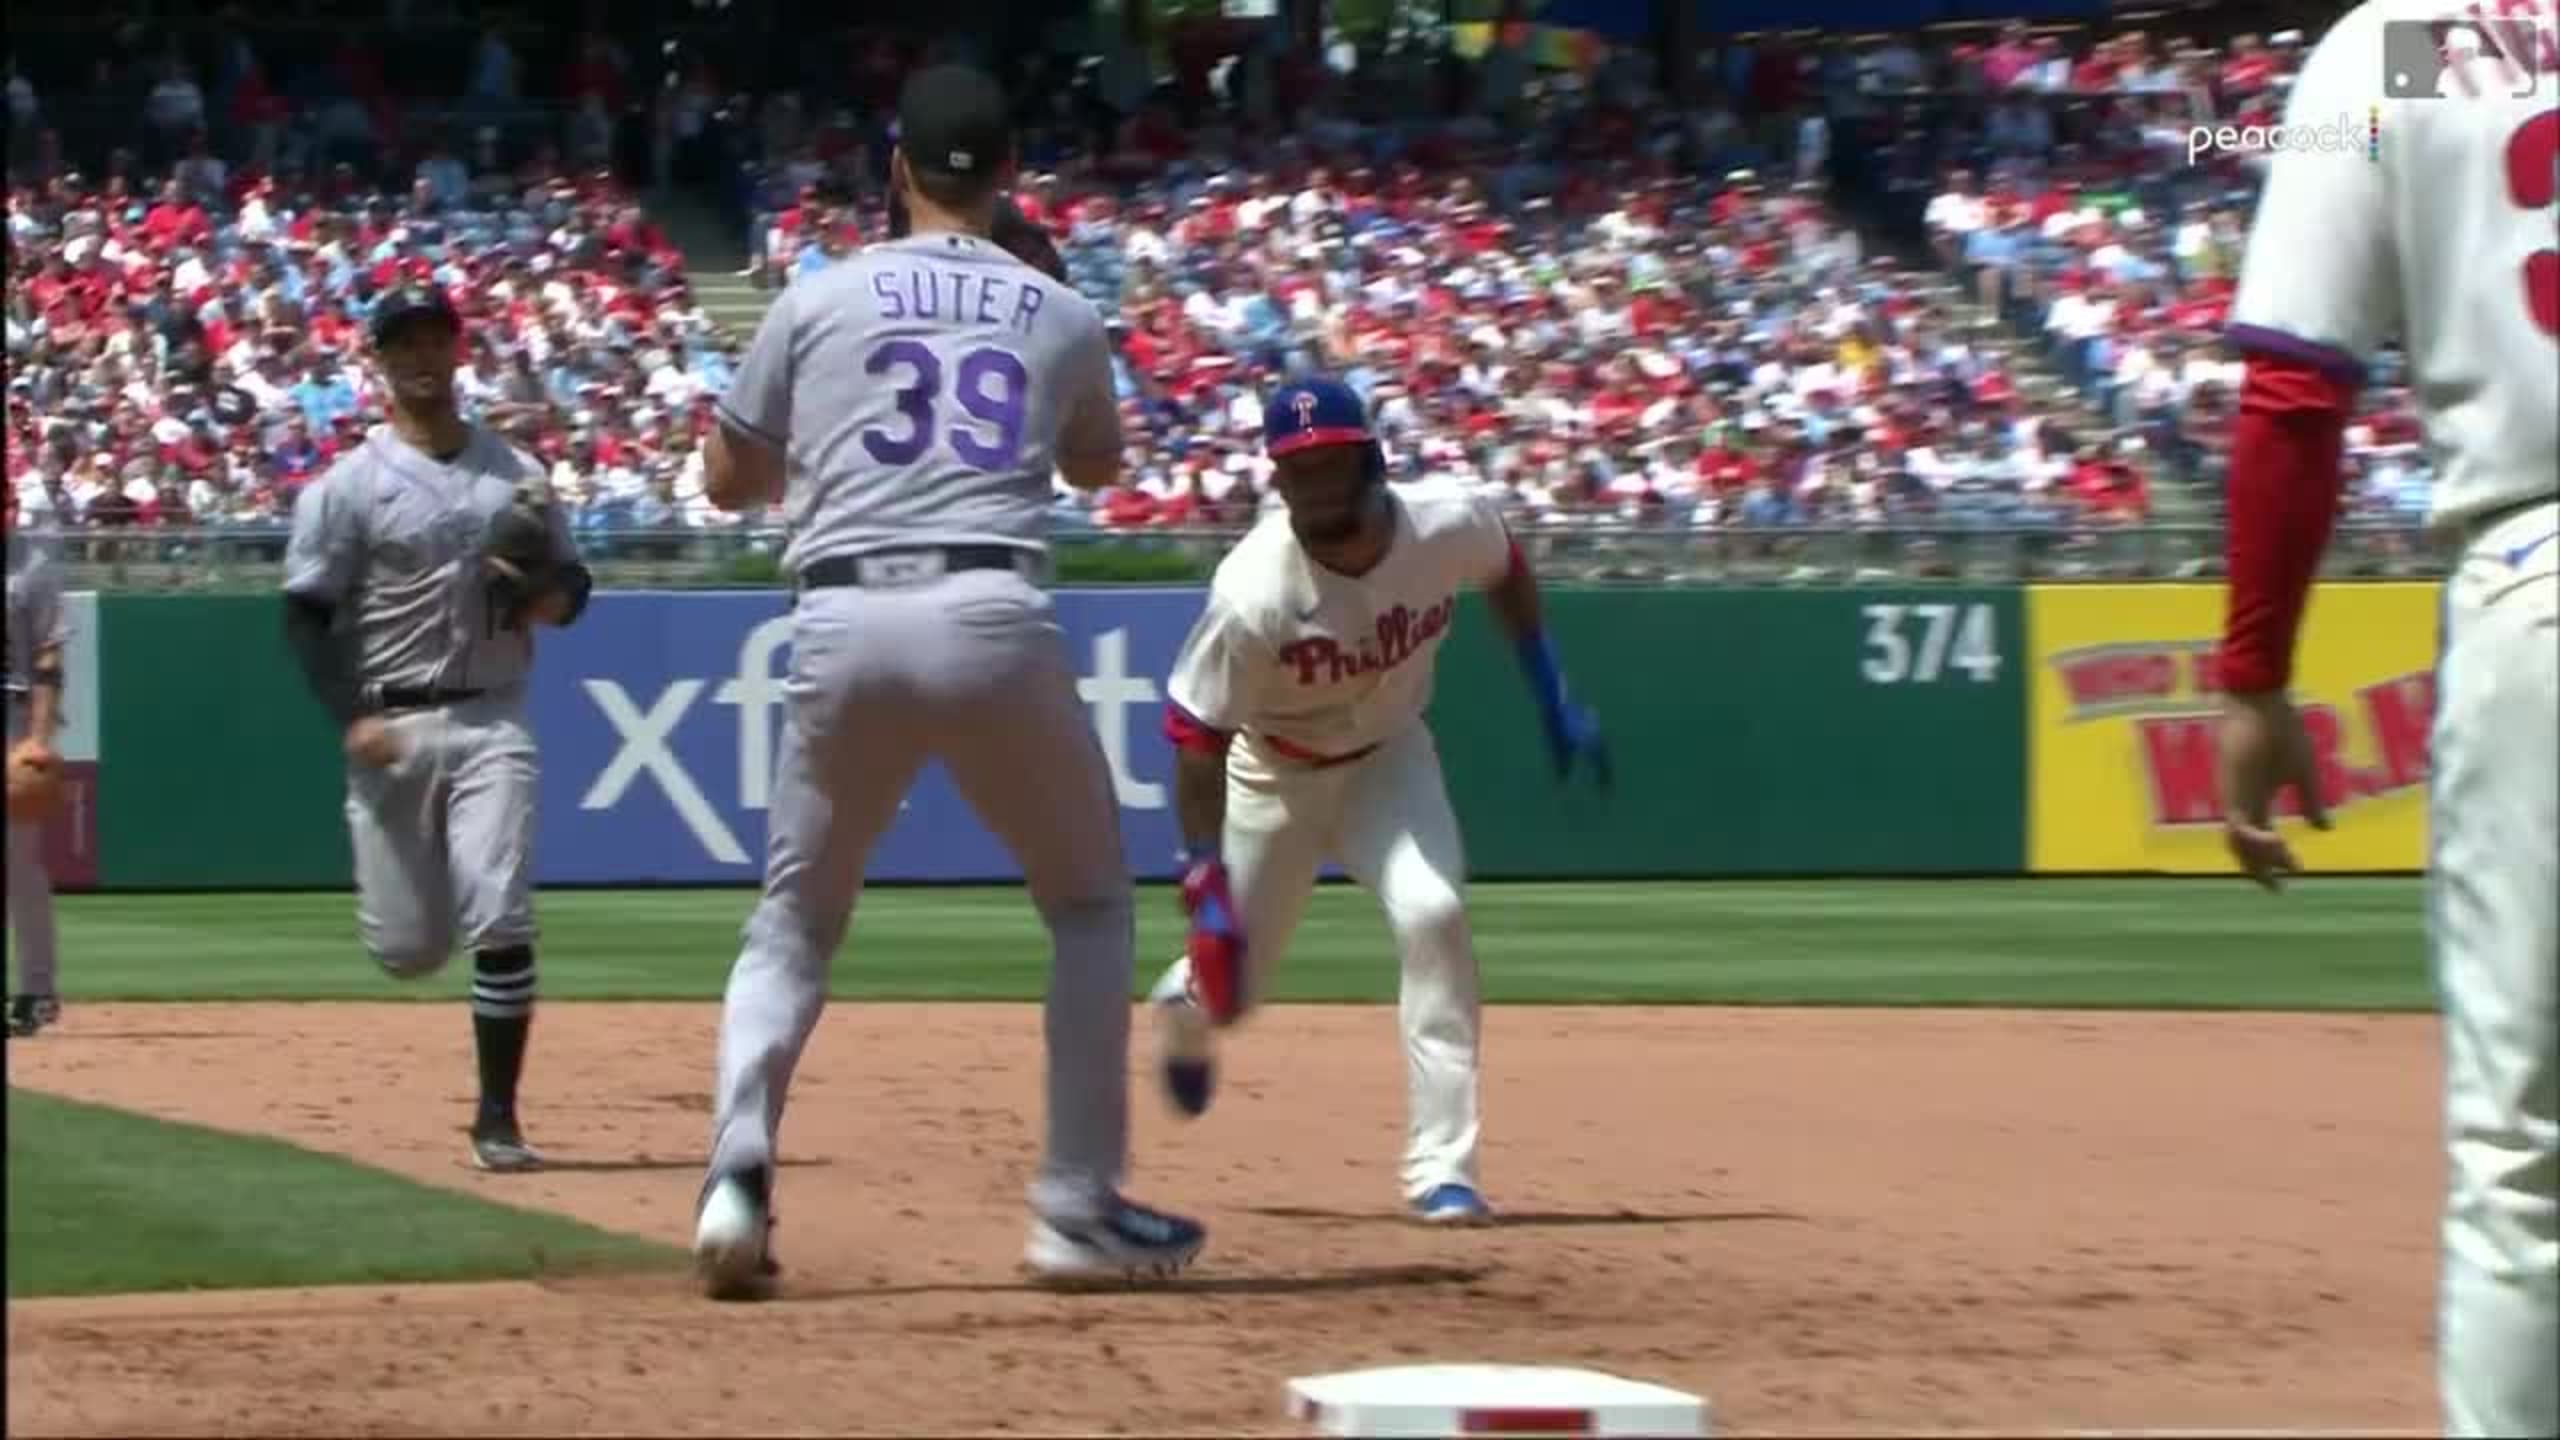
1452	1205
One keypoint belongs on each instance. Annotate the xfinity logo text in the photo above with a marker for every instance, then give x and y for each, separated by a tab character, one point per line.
713	770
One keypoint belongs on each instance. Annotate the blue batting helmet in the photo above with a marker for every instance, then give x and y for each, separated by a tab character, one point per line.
1306	413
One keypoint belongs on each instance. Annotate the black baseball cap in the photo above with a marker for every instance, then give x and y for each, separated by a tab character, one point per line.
953	121
417	300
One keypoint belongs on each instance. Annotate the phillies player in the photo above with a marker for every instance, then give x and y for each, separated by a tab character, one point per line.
2446	239
1296	709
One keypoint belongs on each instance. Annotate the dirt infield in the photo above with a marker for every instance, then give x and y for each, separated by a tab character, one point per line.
1835	1220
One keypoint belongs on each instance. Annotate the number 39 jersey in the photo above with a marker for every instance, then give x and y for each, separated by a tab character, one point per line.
2433	221
923	390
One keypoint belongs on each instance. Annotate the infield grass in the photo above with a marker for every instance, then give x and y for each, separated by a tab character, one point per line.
2338	944
103	1201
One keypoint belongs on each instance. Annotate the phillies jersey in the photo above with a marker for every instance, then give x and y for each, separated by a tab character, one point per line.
2430	218
1313	666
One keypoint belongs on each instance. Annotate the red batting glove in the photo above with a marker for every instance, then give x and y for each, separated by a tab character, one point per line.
1217	941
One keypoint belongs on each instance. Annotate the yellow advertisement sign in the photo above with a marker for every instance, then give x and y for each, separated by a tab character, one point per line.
2121	727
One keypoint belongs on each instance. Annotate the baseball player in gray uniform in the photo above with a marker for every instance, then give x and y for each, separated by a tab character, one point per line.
411	616
36	635
907	408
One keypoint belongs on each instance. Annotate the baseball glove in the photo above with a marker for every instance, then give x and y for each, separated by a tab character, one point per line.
1030	243
35	781
518	563
1015	231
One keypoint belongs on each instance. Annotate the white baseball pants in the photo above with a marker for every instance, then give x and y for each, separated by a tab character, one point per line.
2494	925
1385	819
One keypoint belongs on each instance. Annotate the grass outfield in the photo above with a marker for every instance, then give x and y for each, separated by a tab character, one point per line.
106	1202
2340	944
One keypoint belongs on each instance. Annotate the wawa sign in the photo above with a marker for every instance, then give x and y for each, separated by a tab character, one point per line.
2125	702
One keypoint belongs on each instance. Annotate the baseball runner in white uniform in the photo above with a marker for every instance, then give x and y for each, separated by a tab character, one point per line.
908	407
2447	239
1296	707
415	633
36	636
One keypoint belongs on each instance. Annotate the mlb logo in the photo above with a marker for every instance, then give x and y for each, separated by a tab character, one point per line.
2455	59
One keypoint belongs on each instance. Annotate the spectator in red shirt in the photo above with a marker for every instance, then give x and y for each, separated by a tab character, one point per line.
176	220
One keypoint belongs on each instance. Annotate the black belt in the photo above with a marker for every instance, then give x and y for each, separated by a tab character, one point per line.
838	571
421	697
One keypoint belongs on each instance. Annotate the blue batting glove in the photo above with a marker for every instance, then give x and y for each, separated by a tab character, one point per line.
1573	730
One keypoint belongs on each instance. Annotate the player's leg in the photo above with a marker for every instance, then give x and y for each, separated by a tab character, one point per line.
2495	929
395	832
1400	839
852	742
495	784
1021	749
1279	828
30	919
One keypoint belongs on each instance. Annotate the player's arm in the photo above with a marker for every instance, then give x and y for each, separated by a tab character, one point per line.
564	597
1213	690
2319	292
1511	593
1216	678
1089	439
320	563
744	457
44	673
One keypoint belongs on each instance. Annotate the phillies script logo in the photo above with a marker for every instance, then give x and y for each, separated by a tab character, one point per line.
1401	633
2166	689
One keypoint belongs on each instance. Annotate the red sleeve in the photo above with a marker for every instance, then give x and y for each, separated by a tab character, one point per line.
2284	494
1189	732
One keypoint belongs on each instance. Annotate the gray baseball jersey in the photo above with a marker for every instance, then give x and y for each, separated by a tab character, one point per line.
392	535
35	609
923	391
442	839
35	624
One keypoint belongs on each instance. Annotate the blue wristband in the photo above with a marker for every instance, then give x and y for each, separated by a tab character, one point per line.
1546	678
1190	855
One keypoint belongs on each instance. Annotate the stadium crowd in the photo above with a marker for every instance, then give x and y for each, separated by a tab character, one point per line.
2081	204
189	357
1598	303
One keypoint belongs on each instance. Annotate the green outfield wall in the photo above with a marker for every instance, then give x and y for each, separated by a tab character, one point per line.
1874	731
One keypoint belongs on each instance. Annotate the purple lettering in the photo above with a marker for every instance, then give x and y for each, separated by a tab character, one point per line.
987	298
1026	308
884	288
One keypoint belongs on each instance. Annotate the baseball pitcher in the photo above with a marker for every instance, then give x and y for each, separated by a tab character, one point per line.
36	635
2443	236
418	564
1296	711
907	407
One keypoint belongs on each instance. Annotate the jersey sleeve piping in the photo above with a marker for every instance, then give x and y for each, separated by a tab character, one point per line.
2329	360
731	418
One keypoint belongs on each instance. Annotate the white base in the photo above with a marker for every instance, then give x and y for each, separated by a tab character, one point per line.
1508	1400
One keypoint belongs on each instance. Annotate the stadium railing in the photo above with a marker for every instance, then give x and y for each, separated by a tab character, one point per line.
1596	552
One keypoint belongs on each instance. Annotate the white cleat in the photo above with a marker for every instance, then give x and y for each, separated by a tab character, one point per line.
732	1236
1128	1243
